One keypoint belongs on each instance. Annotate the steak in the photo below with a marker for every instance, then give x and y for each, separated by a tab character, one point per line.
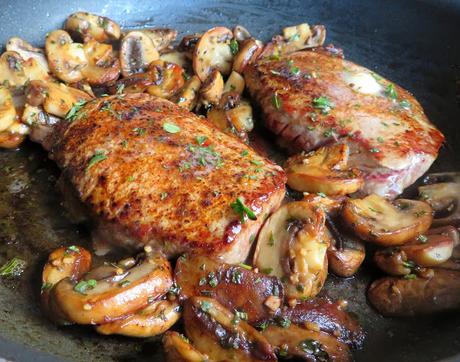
312	98
152	173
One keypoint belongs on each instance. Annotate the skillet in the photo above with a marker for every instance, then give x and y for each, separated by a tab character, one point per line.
414	43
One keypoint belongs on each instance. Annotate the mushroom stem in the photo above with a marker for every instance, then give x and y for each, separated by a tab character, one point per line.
339	242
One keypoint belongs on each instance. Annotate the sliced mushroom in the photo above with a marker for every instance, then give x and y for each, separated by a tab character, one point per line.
415	296
179	58
179	349
330	205
103	67
7	110
123	291
41	124
66	59
318	36
223	335
12	73
65	262
83	86
292	246
346	255
323	315
136	83
430	251
442	193
325	170
212	51
27	51
188	95
160	37
234	83
240	33
297	34
301	37
310	345
249	51
151	321
137	51
11	140
57	98
89	26
167	78
188	44
212	88
386	223
393	261
235	287
241	117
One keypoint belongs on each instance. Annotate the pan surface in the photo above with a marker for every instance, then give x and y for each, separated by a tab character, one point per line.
413	43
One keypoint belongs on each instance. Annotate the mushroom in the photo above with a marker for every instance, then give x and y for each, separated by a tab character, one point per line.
188	95
15	72
426	250
237	287
66	59
249	51
103	295
160	37
103	67
167	78
240	33
442	192
318	36
310	345
292	246
234	83
137	51
178	348
302	36
393	296
212	51
188	43
136	83
324	170
12	139
41	124
65	262
57	98
89	26
27	51
7	110
321	314
346	255
212	88
151	321
386	223
83	86
297	34
223	335
179	58
241	117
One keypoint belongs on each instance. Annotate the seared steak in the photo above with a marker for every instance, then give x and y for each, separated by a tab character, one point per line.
155	174
312	98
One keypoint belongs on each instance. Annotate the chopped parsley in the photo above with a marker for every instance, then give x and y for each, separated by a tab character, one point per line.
120	88
314	348
380	139
171	127
390	91
163	195
422	238
72	114
201	140
205	306
124	283
410	276
46	286
98	157
241	209
13	268
257	163
271	239
404	104
239	316
374	150
283	322
139	131
84	285
276	101
234	46
245	153
237	276
323	103
420	213
267	271
245	266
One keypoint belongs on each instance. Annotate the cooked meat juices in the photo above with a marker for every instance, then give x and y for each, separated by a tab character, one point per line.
313	98
155	174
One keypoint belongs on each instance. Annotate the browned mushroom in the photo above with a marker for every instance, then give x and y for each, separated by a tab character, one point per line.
137	51
89	26
179	349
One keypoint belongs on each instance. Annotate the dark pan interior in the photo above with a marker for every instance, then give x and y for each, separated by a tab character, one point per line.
414	43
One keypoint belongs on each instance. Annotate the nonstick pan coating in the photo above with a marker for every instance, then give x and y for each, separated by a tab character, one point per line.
413	43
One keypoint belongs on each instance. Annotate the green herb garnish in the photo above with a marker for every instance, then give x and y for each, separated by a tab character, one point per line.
323	103
72	114
234	46
201	140
390	91
205	306
276	101
241	209
98	157
13	268
171	127
84	285
124	283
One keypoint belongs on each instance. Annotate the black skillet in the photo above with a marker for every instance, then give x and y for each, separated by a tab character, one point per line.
414	43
